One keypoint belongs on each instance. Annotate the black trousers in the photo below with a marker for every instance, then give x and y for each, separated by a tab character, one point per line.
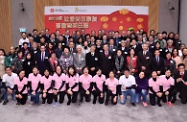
109	95
183	93
96	94
23	100
84	95
167	98
153	100
61	95
72	98
49	98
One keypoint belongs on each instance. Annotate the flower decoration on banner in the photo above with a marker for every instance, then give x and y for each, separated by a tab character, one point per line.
124	11
121	22
105	26
121	27
139	19
139	26
104	19
114	19
128	19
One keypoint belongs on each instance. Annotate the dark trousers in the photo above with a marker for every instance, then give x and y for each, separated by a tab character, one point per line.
72	98
23	100
153	98
109	95
167	98
84	95
61	95
96	94
49	98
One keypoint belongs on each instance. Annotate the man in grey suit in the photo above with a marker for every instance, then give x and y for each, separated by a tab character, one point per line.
79	59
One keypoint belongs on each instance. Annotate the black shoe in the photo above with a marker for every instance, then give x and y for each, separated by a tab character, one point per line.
159	104
2	97
68	103
173	100
17	103
106	103
5	102
133	104
94	101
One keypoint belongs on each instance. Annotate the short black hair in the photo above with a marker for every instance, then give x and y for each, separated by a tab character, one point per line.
181	64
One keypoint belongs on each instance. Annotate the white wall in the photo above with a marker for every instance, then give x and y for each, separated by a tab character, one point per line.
168	19
183	21
21	19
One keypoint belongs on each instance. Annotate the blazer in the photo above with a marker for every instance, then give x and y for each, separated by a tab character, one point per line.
158	66
79	62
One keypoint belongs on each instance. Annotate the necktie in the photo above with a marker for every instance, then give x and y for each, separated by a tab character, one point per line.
144	53
106	54
157	59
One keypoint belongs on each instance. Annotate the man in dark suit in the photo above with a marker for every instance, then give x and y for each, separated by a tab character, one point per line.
42	60
92	60
72	48
124	49
144	60
107	60
181	83
112	47
135	46
158	63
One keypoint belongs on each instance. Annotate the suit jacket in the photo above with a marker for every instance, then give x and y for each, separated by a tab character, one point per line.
145	61
113	49
92	61
158	66
181	87
79	62
42	65
172	66
107	62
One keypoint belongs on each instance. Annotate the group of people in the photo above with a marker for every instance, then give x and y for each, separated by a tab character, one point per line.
108	66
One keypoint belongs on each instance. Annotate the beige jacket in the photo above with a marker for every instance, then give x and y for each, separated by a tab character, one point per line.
2	66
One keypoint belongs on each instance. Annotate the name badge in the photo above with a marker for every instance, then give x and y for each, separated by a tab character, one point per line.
119	42
29	63
35	51
125	52
46	57
179	42
114	49
96	58
171	61
109	57
160	49
74	53
63	44
166	51
147	57
101	51
133	58
23	60
152	46
10	59
82	59
65	59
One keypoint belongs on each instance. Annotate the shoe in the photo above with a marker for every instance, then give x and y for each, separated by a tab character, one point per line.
145	104
94	101
68	103
2	97
17	103
170	104
159	104
5	102
173	100
55	104
106	103
133	104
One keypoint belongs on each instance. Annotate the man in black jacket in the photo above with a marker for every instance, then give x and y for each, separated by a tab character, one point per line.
144	60
92	60
158	63
107	60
